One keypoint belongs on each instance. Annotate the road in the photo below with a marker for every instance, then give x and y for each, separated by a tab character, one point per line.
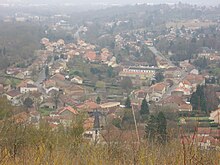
159	54
183	75
41	77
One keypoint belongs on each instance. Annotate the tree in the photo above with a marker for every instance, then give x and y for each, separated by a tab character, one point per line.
110	72
117	122
55	97
128	102
126	83
47	71
28	102
144	108
98	100
198	100
162	127
194	101
156	128
159	77
128	118
151	128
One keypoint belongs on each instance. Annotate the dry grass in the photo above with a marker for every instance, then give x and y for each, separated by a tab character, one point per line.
21	144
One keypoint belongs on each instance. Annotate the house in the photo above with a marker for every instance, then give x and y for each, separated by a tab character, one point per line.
57	77
58	67
52	90
157	91
195	80
88	106
158	88
215	115
67	100
105	55
140	95
186	87
185	107
67	111
194	71
185	65
13	71
185	91
49	103
185	84
67	115
91	56
204	52
49	83
109	106
176	102
173	72
141	71
20	75
45	41
77	80
214	57
28	88
13	96
161	63
25	82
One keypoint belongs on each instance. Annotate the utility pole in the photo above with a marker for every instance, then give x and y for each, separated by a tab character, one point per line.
135	123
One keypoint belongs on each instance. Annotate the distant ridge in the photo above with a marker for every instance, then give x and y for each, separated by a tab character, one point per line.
111	2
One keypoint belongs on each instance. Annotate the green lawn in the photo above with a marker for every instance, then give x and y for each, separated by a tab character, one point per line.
45	111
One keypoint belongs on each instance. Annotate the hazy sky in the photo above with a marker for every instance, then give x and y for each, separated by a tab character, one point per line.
198	2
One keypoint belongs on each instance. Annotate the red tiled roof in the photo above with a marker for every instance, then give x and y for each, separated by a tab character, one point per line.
193	78
185	106
68	108
173	99
89	105
58	76
158	87
13	93
90	55
186	82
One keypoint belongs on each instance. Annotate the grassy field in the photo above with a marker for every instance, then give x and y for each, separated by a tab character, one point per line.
24	144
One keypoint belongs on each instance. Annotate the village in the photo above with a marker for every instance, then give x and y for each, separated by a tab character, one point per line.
54	91
97	67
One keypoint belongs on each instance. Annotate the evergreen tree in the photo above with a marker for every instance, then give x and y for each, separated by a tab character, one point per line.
128	102
28	102
47	71
156	128
198	100
159	77
162	127
144	108
98	100
151	128
194	100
